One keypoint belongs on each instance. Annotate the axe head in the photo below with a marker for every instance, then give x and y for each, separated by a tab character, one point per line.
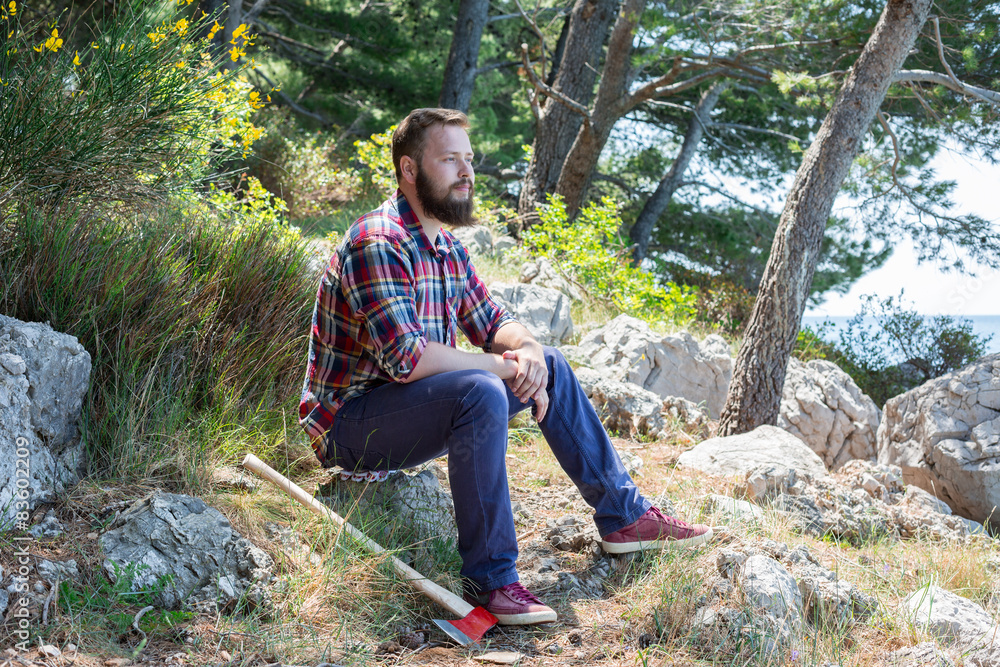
470	629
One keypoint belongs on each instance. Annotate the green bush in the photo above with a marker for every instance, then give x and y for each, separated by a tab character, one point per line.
889	348
591	252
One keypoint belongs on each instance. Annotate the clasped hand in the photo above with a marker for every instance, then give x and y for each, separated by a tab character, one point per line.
531	377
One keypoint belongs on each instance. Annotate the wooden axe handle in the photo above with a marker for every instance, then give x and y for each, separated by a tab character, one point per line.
442	596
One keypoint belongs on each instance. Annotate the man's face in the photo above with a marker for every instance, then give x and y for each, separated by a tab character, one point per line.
445	179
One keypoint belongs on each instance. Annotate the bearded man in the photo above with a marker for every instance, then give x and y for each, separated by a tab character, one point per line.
386	388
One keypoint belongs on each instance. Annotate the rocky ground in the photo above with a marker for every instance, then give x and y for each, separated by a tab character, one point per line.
770	589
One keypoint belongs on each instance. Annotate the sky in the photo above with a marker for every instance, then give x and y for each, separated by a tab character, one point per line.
926	288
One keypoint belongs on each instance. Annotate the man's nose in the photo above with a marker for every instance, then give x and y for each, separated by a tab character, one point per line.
465	168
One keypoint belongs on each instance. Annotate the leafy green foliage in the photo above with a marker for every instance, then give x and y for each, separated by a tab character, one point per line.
593	254
889	348
106	611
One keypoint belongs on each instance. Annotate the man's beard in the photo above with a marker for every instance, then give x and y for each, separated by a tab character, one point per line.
454	212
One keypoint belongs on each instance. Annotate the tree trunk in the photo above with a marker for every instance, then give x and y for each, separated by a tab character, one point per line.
557	124
574	177
460	73
657	203
759	375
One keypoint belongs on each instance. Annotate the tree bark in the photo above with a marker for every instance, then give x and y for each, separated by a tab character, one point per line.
460	72
657	203
759	375
557	124
610	105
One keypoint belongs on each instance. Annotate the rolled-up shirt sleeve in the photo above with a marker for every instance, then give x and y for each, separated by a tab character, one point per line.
378	285
479	314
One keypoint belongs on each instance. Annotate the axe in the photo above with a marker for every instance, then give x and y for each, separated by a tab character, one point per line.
474	621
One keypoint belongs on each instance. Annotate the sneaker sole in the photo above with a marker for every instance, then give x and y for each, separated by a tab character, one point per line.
532	618
631	547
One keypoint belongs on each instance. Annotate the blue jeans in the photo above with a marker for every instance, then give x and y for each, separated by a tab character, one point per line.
464	414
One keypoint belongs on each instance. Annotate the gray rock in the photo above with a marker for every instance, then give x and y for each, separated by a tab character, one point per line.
763	483
571	533
803	512
43	380
945	436
771	591
188	552
629	409
4	601
926	654
49	526
734	510
504	244
947	615
477	240
53	571
824	407
541	272
544	312
415	501
739	454
627	349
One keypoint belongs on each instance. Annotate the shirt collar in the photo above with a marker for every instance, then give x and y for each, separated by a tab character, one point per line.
445	242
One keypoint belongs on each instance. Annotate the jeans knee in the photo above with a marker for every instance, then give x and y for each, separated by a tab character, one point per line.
487	396
554	360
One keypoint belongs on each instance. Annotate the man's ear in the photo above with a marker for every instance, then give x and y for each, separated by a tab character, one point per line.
409	168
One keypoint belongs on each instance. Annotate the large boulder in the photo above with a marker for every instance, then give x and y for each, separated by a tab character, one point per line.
631	410
43	380
544	312
477	240
945	436
627	349
541	272
740	454
823	406
185	552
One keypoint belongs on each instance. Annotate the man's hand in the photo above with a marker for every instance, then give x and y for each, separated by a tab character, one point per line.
532	376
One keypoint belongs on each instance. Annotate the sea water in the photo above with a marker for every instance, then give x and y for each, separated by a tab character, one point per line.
982	325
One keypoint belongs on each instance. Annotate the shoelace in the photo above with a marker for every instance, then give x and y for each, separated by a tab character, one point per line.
668	519
519	593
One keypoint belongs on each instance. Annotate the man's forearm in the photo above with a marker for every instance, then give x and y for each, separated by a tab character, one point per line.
439	358
512	336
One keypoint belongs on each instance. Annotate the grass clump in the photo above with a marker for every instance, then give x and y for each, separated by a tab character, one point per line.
183	320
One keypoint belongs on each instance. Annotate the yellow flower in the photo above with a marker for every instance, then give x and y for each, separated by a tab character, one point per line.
76	60
180	64
156	37
254	101
12	7
53	43
215	28
181	27
235	53
94	45
239	32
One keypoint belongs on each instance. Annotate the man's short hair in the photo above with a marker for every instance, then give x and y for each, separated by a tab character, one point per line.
410	134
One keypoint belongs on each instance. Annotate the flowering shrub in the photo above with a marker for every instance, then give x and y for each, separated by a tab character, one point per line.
139	111
592	253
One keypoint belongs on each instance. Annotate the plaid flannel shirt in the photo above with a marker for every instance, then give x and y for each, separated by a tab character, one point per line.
385	294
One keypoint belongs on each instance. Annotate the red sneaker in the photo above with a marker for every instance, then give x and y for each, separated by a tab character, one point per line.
513	604
654	530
